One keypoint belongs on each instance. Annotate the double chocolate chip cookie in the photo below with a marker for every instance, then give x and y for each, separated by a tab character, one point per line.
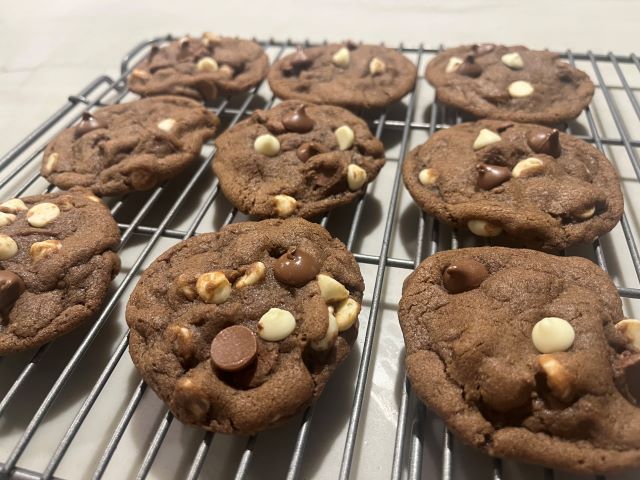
526	356
239	330
349	75
130	146
201	68
296	159
510	83
522	184
56	264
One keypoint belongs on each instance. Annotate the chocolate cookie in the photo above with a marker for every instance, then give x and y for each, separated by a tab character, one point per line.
296	159
524	184
130	146
510	83
201	68
239	330
56	265
525	355
348	75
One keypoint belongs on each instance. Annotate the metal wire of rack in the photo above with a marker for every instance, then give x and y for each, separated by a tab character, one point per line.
410	442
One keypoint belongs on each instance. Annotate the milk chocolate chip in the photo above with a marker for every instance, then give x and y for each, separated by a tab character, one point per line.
306	151
299	61
482	48
296	267
11	287
465	274
234	348
298	121
87	124
545	142
469	67
490	176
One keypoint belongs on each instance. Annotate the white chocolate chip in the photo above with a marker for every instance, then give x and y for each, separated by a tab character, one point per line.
93	198
585	214
558	378
167	124
345	137
253	275
191	398
527	167
50	163
181	340
207	64
552	334
356	176
8	247
428	176
630	328
520	88
14	205
482	228
341	57
453	64
186	285
284	205
347	313
210	38
6	219
213	287
276	325
331	289
267	145
484	138
376	66
45	248
512	60
326	342
42	213
141	74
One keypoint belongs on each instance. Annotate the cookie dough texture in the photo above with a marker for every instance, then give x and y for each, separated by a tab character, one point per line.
560	91
372	77
548	207
311	167
67	276
470	358
201	68
129	147
172	330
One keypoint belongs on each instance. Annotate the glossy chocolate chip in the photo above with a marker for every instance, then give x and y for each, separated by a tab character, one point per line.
490	176
87	124
465	274
482	49
305	151
296	267
299	61
11	287
547	142
234	348
469	67
351	45
298	121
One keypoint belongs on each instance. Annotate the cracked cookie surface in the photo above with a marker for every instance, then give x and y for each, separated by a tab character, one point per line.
480	79
347	75
296	159
519	183
239	330
471	321
201	68
56	265
129	147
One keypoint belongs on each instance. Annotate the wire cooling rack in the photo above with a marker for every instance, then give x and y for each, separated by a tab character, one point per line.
76	407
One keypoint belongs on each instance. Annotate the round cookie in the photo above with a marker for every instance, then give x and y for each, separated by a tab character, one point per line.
56	264
201	68
510	83
239	330
296	159
130	146
349	75
525	356
522	184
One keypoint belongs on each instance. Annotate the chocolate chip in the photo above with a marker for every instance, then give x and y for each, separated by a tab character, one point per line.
296	267
351	45
482	48
87	124
153	52
306	151
465	274
547	142
11	287
299	61
234	348
298	121
490	176
469	67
